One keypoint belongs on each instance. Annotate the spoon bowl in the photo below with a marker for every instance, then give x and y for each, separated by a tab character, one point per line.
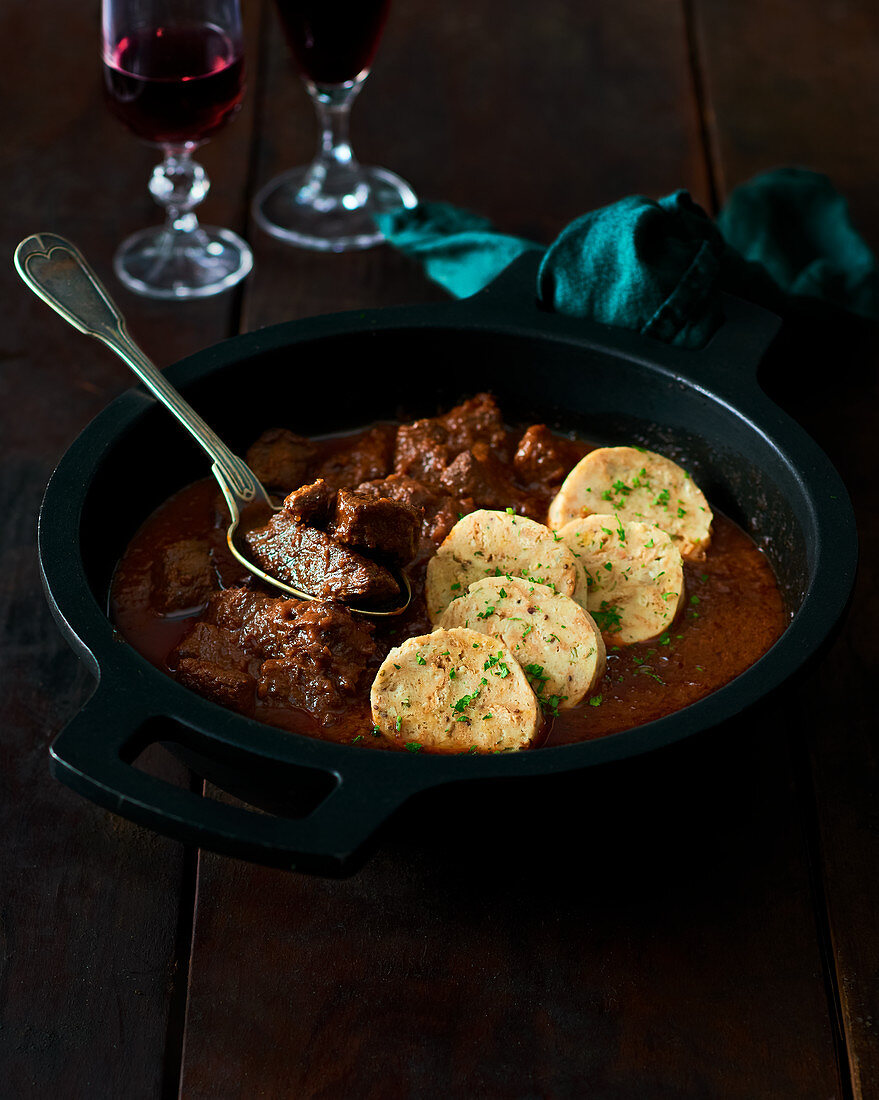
58	273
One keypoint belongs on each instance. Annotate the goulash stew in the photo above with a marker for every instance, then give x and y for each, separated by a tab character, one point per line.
561	592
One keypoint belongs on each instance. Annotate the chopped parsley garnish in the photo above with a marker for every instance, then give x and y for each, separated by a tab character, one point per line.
537	678
465	701
496	666
607	618
414	746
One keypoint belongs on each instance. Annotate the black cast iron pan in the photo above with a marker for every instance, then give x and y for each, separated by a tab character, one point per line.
339	372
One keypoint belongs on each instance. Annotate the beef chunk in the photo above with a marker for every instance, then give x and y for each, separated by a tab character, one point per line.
377	525
308	654
477	420
261	624
312	504
314	562
362	460
299	682
484	478
224	685
544	458
439	512
281	459
426	447
183	576
328	658
207	642
422	451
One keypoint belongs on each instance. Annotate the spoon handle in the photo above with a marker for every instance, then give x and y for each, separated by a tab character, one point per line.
57	272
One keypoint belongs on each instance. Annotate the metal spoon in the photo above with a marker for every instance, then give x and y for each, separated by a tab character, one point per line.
57	272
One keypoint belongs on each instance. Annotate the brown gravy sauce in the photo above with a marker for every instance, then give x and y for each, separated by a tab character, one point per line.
733	614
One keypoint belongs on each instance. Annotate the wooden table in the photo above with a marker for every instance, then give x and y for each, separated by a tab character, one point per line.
701	924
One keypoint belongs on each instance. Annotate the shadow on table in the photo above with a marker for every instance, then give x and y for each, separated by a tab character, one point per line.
708	809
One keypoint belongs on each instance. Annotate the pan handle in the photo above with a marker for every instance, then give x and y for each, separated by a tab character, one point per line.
729	360
93	754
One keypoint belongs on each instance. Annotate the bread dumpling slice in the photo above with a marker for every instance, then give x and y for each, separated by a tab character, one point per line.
630	576
495	544
454	691
636	485
552	637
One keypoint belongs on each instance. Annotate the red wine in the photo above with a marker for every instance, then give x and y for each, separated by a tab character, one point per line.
333	41
172	85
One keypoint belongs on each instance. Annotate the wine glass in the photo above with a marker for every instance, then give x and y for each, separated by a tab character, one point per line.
329	204
174	74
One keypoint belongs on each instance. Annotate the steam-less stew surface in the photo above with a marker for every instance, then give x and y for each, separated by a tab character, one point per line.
183	601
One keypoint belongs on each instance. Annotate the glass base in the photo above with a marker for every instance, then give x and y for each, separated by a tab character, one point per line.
291	208
159	263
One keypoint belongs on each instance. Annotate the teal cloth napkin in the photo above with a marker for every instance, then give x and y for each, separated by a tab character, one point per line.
784	240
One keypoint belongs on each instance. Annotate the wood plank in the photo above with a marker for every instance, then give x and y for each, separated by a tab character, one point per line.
578	115
640	932
653	933
792	83
91	928
819	109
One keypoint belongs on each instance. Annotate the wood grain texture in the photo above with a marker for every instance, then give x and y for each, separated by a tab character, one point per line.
89	905
684	926
789	83
529	116
793	83
653	934
648	932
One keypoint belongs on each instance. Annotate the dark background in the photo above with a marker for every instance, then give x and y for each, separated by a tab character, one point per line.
699	924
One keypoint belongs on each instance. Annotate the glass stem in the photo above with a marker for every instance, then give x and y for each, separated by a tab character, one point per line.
178	185
334	178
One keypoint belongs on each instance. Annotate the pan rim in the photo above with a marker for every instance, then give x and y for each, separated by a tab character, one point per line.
81	617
